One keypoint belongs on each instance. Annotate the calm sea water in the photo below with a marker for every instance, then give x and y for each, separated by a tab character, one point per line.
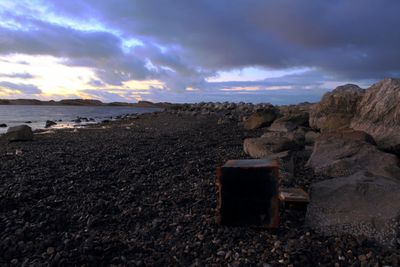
15	114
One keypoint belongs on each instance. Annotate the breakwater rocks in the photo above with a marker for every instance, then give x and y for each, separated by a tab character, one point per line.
352	135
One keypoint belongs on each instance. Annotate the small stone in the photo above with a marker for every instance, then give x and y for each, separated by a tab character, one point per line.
49	124
200	237
221	253
50	250
362	257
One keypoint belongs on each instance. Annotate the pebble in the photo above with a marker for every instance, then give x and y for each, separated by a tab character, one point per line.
50	250
221	253
362	257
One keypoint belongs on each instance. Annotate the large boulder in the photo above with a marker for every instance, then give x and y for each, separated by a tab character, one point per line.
362	204
271	143
19	133
336	109
378	114
295	109
261	119
290	122
344	153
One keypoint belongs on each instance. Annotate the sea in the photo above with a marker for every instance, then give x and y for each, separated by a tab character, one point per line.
36	116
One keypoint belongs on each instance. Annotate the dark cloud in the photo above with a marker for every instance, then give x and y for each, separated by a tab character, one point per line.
101	50
29	89
44	38
352	39
23	75
182	43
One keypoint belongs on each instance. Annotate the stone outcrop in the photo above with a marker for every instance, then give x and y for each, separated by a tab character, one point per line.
336	109
344	153
360	204
378	114
271	143
290	122
19	133
260	119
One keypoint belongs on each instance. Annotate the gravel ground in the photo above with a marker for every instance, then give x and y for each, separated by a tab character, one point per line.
141	192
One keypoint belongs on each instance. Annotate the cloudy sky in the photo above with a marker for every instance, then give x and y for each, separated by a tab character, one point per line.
190	51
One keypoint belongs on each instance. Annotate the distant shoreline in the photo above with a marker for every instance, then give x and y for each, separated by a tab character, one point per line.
77	102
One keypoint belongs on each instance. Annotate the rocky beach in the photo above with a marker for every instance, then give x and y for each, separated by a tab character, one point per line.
140	191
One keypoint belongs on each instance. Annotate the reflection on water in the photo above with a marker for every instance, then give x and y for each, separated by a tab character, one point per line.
36	116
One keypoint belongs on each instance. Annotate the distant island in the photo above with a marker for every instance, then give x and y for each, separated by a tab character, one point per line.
78	102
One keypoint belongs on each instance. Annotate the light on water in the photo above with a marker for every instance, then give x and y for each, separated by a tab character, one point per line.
38	115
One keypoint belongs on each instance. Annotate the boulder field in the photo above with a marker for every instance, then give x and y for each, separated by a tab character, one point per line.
354	136
374	110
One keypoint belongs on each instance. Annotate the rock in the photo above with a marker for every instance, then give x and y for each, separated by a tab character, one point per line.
222	121
310	137
360	204
290	122
336	109
3	125
297	136
280	125
19	133
271	143
50	250
77	120
49	124
378	114
344	153
295	109
260	119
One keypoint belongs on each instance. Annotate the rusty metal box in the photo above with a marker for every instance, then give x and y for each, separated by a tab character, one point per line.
248	193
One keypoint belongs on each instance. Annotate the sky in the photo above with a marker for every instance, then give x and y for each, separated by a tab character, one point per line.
282	52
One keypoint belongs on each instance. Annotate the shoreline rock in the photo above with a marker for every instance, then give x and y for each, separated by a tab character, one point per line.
344	153
336	109
362	204
378	114
19	133
49	124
